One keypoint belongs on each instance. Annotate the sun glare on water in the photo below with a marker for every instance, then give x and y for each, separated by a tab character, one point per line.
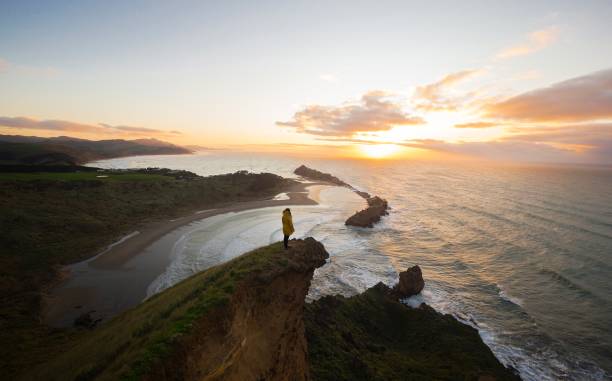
378	151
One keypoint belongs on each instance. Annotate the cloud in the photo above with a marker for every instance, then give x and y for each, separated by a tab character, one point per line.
54	125
476	125
139	129
374	112
518	151
574	143
583	98
73	127
536	41
435	97
580	135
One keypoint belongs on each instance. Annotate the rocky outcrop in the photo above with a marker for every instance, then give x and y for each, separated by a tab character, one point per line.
366	218
410	282
262	332
373	336
314	175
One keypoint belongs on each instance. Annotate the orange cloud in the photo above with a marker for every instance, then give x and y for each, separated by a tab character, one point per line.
63	126
536	41
521	151
374	112
434	97
585	98
476	125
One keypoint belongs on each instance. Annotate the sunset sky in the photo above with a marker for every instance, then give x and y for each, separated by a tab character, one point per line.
505	80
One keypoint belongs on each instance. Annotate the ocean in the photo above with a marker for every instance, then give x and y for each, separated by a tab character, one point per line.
522	253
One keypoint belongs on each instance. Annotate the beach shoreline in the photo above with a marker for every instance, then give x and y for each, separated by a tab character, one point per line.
72	296
120	252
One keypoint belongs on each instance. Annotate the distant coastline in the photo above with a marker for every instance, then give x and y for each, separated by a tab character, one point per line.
68	151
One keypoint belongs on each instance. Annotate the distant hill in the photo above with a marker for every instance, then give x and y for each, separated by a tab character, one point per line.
64	150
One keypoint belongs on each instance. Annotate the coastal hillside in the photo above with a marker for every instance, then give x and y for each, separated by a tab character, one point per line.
63	150
247	320
238	321
51	219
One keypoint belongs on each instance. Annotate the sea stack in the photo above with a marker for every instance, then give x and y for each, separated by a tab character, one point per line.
366	218
410	282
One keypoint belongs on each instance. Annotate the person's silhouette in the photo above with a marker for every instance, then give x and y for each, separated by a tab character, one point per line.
287	227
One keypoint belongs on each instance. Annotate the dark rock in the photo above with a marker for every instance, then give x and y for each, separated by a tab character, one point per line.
366	218
410	282
313	174
363	194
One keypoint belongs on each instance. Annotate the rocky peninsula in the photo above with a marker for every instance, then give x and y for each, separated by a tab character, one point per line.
366	218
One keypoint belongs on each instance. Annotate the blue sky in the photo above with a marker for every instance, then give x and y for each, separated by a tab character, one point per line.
227	72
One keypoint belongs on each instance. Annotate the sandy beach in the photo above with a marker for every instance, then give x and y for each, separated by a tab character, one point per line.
119	253
118	277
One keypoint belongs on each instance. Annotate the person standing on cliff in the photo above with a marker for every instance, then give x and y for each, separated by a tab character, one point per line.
287	226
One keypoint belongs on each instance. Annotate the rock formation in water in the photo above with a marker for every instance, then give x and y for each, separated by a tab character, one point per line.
366	218
410	282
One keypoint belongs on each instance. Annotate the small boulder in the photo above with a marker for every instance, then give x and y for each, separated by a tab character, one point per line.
410	282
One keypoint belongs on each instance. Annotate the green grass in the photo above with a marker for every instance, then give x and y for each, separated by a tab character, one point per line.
128	346
51	219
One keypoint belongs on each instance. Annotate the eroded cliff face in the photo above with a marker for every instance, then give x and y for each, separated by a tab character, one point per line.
259	334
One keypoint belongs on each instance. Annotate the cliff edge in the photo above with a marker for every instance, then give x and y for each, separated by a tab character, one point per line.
242	320
247	320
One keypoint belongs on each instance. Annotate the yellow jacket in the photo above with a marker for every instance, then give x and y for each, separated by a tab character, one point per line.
287	223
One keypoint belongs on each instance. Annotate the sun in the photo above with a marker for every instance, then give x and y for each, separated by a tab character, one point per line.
378	151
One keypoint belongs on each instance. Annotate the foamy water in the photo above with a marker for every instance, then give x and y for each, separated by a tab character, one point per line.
524	254
217	239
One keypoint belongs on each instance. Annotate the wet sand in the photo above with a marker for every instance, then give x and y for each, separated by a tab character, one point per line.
117	278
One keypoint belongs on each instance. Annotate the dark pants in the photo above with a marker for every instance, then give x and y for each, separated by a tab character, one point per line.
286	241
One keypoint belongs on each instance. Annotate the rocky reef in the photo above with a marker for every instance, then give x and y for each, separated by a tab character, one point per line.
366	218
411	282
